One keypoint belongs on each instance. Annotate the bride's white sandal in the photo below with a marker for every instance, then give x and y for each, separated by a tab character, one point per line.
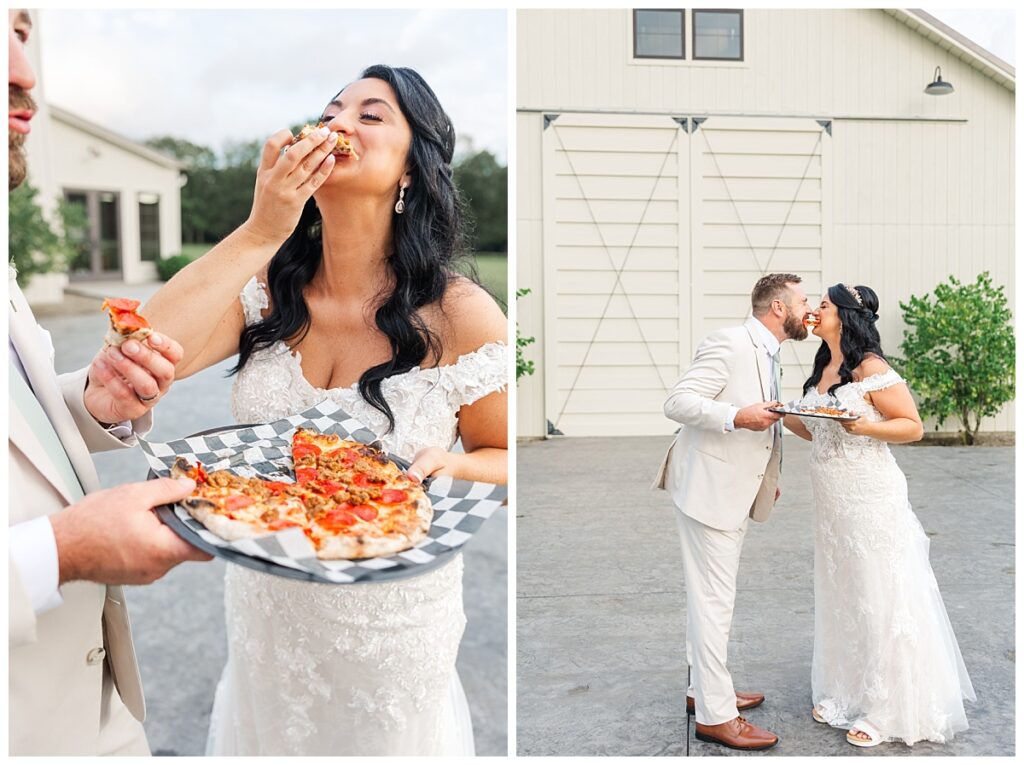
817	715
875	738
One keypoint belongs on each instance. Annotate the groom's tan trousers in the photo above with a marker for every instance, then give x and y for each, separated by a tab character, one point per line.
711	559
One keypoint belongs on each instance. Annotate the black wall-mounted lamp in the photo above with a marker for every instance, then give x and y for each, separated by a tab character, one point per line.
938	87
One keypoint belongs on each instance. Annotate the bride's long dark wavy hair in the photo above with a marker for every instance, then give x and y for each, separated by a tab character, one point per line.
858	338
428	238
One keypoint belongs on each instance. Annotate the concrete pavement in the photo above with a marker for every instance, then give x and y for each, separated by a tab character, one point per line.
178	622
601	601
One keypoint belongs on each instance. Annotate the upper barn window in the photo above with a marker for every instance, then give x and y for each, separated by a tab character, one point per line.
717	35
659	33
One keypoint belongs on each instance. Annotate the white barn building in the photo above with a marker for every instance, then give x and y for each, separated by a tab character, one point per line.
666	159
131	194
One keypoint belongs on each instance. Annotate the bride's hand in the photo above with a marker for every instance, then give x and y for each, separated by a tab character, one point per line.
432	461
858	427
284	182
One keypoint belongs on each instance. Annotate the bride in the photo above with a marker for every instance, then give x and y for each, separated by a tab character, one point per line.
886	663
341	284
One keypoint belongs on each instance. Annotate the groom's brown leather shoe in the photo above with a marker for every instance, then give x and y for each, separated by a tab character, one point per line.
743	701
737	733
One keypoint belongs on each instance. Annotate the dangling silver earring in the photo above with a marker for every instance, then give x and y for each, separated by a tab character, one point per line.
400	204
314	229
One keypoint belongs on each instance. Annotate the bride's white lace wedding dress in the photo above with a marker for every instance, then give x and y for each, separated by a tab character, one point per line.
884	649
364	669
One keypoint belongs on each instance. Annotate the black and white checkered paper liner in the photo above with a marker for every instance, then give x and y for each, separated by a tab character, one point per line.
460	507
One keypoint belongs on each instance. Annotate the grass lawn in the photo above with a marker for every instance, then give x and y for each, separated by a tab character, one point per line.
195	250
492	268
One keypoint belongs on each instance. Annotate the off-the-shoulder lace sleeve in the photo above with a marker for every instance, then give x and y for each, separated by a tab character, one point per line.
477	374
880	381
254	300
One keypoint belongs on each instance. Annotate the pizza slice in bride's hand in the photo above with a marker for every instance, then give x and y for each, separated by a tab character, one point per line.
341	146
125	321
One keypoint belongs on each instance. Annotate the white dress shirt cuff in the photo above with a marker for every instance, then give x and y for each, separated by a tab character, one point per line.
730	421
122	430
33	549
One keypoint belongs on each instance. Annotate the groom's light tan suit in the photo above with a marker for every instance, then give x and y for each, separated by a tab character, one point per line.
718	478
70	667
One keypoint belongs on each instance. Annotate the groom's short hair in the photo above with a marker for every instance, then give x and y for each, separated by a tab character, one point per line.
771	287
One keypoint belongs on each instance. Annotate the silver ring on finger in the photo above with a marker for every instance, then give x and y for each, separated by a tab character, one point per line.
146	399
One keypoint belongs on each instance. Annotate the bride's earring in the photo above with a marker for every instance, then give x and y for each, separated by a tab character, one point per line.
314	229
400	204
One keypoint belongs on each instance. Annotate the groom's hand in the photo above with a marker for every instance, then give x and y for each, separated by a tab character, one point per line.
757	416
113	536
125	383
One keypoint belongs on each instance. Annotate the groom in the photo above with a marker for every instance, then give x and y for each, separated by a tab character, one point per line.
73	681
722	469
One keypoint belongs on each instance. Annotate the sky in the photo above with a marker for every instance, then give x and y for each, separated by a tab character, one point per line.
993	30
214	76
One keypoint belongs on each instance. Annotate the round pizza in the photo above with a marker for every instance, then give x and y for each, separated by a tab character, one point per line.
349	499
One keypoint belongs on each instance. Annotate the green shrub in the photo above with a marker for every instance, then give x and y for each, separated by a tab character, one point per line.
523	365
958	354
35	247
169	266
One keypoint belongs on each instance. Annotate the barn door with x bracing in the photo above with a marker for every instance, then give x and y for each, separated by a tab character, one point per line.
655	229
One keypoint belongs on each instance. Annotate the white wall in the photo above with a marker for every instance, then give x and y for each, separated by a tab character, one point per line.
921	187
84	161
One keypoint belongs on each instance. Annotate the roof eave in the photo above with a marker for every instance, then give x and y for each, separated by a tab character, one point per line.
963	48
98	131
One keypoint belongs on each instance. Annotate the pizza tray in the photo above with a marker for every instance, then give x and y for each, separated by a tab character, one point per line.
460	507
788	409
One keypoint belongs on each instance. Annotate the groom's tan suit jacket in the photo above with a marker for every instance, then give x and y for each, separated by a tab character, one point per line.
717	477
56	658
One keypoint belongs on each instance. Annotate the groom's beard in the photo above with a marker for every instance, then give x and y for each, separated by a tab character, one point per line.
18	99
794	327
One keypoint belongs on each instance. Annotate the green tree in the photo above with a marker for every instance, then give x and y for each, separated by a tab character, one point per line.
35	247
483	183
958	354
191	154
197	217
523	365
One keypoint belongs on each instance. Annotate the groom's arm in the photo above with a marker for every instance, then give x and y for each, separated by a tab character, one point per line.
98	437
693	399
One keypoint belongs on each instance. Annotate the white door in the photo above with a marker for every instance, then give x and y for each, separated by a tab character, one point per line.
616	277
758	207
655	230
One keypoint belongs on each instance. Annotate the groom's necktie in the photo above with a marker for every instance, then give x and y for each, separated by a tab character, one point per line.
777	395
25	401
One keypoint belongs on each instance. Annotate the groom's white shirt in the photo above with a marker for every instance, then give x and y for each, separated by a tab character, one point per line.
31	544
58	658
716	475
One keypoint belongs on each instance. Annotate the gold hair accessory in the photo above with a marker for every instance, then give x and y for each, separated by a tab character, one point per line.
856	295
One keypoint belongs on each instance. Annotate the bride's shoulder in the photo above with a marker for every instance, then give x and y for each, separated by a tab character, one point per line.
469	318
870	366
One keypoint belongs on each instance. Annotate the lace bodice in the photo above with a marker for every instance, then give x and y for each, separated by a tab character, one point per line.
424	401
831	440
359	669
883	646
